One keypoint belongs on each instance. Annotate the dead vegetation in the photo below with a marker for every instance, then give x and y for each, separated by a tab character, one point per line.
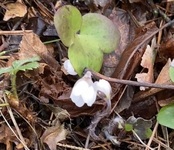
44	117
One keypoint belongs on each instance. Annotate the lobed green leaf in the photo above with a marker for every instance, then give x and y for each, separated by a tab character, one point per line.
102	30
67	21
83	53
166	116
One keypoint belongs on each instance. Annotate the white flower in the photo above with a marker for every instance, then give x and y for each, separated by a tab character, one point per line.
69	68
85	91
172	63
103	87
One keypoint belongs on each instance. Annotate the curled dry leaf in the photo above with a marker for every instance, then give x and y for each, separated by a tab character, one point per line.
163	78
31	46
52	135
147	62
14	10
166	49
7	137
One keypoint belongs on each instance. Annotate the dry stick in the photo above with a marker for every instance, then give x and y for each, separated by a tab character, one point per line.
16	126
133	83
18	32
71	147
152	136
10	126
162	144
141	140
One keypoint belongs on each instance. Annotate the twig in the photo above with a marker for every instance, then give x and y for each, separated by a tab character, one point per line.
152	136
13	130
98	116
141	140
18	32
162	144
133	83
72	147
16	126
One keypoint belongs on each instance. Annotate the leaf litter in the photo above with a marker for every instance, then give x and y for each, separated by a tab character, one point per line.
46	116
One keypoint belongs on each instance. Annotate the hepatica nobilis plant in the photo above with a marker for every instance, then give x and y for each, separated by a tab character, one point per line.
88	38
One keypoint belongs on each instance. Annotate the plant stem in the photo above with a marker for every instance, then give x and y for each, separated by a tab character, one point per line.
13	84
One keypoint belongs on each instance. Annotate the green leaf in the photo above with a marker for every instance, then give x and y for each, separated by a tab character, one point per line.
141	126
166	116
19	63
148	133
128	127
84	53
5	70
171	73
29	66
102	30
67	21
25	64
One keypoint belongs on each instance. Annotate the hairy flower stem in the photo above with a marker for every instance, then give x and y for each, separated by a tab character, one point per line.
13	84
99	115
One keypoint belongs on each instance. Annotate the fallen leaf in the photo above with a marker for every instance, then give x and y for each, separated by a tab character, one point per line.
163	78
14	10
31	46
7	136
166	49
148	63
53	135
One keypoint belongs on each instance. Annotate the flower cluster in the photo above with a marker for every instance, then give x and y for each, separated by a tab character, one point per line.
85	90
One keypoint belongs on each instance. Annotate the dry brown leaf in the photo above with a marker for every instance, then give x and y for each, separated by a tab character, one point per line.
7	136
53	135
147	62
166	49
31	46
163	77
14	10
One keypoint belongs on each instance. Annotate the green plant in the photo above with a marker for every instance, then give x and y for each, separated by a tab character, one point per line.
19	65
166	114
140	126
88	37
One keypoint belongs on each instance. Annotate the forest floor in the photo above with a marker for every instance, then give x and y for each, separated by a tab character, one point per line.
36	109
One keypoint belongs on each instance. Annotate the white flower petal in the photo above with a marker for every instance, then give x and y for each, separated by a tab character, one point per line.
172	63
79	87
104	87
77	100
69	68
89	96
83	91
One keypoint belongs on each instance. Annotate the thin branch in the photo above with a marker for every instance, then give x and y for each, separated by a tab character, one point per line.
16	126
133	83
17	32
152	136
141	140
